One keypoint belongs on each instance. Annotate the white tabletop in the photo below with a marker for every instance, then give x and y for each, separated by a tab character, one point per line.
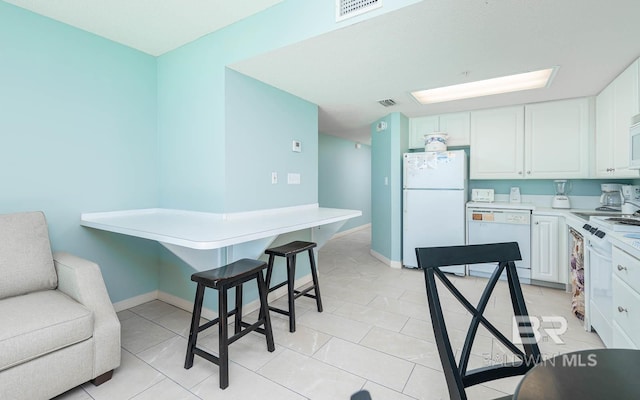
206	231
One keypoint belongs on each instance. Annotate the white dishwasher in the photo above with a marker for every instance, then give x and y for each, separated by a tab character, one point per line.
491	224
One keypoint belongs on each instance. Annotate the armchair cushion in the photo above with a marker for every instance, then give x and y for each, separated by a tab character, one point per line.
39	323
26	264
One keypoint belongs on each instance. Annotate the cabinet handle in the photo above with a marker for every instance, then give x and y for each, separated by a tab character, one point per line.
537	223
621	309
529	172
621	268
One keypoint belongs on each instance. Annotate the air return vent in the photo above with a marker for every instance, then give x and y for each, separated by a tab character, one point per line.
350	8
387	102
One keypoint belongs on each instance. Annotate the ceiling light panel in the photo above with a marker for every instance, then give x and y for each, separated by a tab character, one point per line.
503	84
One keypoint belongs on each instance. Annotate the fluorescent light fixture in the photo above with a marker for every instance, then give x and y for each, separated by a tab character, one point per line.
504	84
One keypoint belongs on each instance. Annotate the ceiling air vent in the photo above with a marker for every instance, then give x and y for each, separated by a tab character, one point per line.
350	8
387	102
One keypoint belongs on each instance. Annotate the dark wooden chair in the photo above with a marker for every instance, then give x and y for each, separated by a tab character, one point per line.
430	259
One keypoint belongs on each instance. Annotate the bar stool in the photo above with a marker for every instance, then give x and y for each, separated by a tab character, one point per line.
290	250
222	279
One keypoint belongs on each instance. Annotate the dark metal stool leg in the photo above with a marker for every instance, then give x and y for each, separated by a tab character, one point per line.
223	345
264	310
195	321
291	278
314	275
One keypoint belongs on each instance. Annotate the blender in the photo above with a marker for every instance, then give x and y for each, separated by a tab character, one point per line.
561	200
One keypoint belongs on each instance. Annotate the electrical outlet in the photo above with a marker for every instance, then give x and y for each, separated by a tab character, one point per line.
274	178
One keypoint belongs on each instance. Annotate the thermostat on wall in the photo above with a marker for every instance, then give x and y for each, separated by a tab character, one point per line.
296	146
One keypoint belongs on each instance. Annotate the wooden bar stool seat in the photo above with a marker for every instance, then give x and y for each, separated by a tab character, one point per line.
222	279
289	251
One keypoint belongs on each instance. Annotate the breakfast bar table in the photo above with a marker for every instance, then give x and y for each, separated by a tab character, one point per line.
209	240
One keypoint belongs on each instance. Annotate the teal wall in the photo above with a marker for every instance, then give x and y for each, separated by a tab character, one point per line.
262	143
345	177
579	187
91	125
78	129
387	147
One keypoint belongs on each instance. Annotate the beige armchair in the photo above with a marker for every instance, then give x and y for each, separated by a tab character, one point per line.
58	328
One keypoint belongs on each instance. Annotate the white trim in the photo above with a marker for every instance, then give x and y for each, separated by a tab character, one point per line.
206	312
349	231
135	301
385	260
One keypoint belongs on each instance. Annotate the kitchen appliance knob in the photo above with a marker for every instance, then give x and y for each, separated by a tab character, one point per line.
621	309
529	172
621	268
519	172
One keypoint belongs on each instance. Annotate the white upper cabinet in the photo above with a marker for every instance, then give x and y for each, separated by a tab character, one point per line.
455	125
537	141
557	139
615	106
496	143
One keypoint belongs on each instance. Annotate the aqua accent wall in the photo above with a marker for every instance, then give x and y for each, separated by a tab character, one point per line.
579	187
344	177
78	128
262	144
387	147
90	125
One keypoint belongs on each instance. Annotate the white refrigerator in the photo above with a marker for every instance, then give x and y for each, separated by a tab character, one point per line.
434	197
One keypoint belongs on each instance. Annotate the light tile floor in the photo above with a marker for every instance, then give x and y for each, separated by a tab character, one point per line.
375	333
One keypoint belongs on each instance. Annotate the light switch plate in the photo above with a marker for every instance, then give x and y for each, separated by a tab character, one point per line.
296	146
293	179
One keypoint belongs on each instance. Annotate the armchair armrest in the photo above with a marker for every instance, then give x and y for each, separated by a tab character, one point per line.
82	280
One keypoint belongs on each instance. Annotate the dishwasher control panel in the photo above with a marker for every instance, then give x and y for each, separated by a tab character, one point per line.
500	216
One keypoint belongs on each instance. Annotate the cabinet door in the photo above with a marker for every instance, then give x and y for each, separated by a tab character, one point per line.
625	99
456	125
496	141
544	248
418	127
557	139
604	133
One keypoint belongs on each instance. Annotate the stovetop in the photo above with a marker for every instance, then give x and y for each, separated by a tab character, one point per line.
621	223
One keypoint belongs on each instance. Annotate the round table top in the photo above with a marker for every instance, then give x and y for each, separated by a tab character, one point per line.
584	375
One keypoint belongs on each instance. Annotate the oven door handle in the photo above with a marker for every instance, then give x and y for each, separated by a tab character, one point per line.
598	253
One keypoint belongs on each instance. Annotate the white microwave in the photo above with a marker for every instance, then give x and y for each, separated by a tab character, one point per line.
634	143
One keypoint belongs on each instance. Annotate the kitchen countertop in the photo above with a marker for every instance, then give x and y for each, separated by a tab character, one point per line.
630	245
502	205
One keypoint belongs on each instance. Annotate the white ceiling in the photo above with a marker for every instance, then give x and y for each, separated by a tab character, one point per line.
152	26
429	44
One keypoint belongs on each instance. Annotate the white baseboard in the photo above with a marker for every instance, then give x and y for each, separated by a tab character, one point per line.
348	231
206	312
385	260
135	301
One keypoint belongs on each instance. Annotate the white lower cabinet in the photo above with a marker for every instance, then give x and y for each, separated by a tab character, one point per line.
626	299
545	248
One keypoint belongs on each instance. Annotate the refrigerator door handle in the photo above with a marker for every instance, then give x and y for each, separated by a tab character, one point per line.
404	201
